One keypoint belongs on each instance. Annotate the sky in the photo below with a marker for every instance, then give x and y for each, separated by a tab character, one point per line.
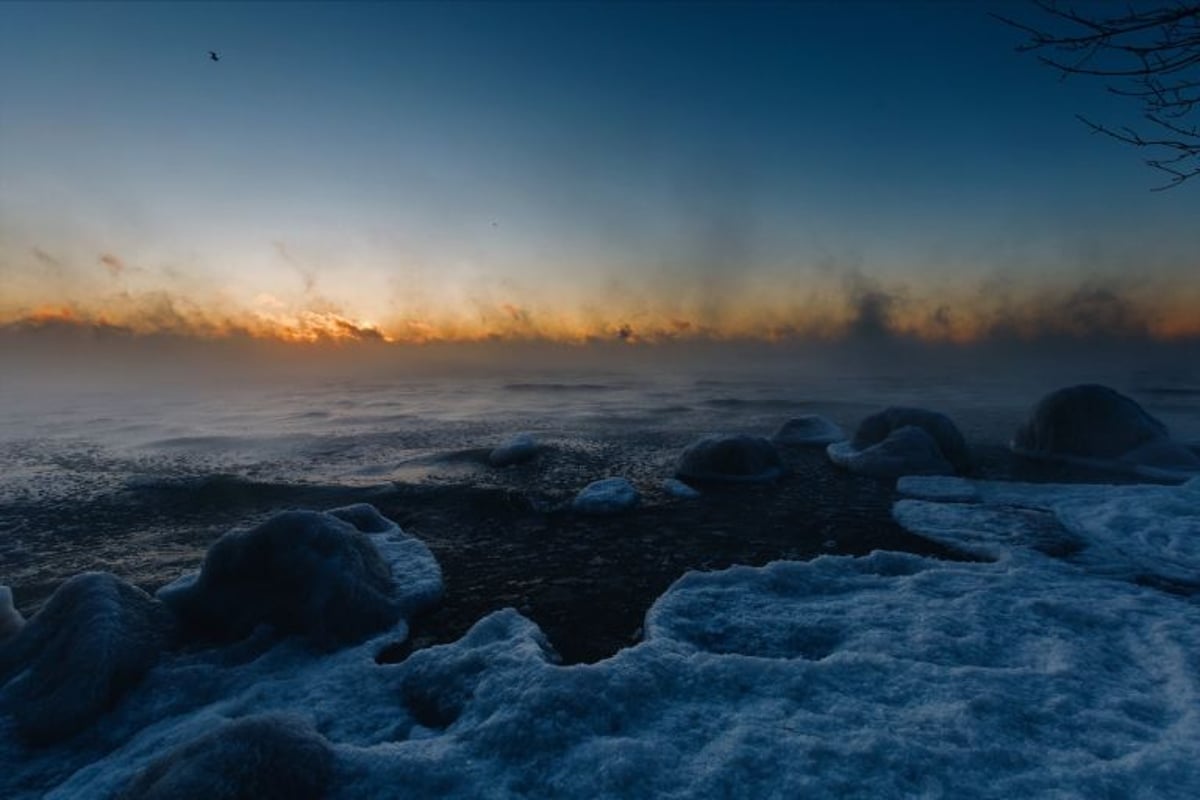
447	172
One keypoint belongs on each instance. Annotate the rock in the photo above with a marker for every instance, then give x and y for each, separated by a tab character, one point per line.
266	757
94	639
907	451
1097	424
608	496
303	572
520	448
11	620
730	458
810	430
677	488
945	434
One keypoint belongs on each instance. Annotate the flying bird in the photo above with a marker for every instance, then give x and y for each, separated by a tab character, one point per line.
212	55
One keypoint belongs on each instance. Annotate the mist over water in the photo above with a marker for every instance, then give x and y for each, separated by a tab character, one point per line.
136	465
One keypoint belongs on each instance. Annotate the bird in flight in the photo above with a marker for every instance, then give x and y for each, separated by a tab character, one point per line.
212	55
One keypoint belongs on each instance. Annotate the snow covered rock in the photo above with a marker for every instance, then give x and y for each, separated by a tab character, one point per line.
679	489
734	458
11	620
94	639
266	757
810	430
1095	425
520	448
905	451
304	572
608	496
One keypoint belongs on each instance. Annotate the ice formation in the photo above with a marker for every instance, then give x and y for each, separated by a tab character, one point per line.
730	458
94	639
518	449
319	574
679	489
903	441
810	430
889	675
607	496
1094	425
1134	532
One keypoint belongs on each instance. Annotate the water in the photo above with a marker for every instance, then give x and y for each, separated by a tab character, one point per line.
139	482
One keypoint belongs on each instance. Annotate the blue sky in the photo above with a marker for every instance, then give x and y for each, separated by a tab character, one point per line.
458	165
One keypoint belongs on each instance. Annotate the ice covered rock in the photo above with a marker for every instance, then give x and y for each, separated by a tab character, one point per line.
730	457
520	448
302	572
941	429
608	496
11	620
810	430
679	489
266	757
94	639
905	451
1095	425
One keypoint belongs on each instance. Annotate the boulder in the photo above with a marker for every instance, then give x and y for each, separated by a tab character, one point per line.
735	458
679	489
608	496
303	572
520	448
93	640
906	451
810	430
1098	425
945	434
265	757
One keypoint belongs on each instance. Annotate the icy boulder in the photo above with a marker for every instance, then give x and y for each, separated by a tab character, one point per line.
810	430
679	489
1098	426
903	441
267	757
905	451
608	496
732	458
94	639
11	620
520	448
305	572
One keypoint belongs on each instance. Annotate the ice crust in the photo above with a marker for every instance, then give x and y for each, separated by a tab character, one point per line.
520	448
888	675
809	430
1134	532
607	496
730	458
11	620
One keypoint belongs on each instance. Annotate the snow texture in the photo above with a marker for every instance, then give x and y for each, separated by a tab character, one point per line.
608	496
730	458
810	430
93	640
520	448
317	574
1094	425
890	675
905	451
11	620
1139	532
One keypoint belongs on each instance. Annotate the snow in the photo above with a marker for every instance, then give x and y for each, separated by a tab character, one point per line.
809	430
1135	532
889	675
730	458
516	450
607	496
11	620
